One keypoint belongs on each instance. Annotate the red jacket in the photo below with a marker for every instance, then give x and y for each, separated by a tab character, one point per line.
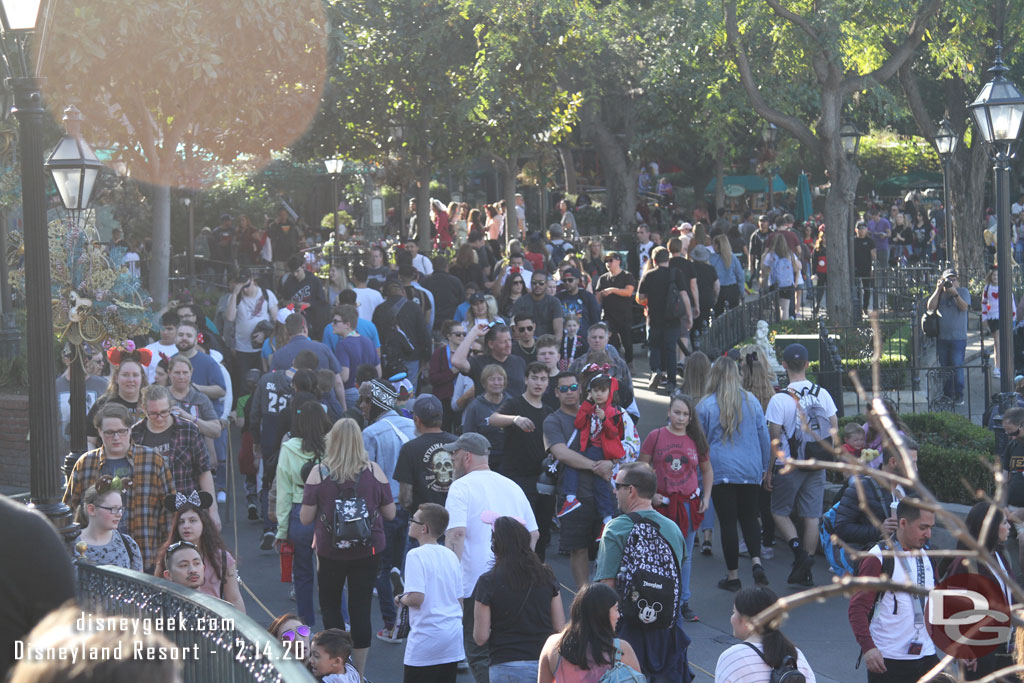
612	433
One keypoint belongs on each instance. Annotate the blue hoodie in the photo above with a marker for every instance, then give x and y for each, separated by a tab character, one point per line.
737	461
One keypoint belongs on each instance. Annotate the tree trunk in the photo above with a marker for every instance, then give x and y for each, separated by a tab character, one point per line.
160	256
569	166
423	225
968	170
719	182
619	176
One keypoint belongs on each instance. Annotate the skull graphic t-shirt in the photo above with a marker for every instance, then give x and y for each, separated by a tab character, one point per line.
429	469
675	460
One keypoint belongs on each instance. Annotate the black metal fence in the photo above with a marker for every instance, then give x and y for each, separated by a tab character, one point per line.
230	645
737	324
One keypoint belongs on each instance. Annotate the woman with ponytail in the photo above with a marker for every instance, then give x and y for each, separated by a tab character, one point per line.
764	647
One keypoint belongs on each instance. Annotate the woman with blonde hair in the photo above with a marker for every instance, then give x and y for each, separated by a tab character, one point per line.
779	269
346	473
734	423
730	274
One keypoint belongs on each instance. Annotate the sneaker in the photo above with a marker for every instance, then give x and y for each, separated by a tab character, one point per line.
801	570
705	548
760	578
995	372
688	614
569	506
731	585
222	497
743	548
254	512
767	552
397	584
387	634
268	540
656	379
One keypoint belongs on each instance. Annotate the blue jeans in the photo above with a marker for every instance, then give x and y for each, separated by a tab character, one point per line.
950	354
220	444
396	533
514	672
412	367
604	496
709	518
301	536
684	571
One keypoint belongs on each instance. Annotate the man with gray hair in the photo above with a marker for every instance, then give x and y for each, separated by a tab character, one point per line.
476	498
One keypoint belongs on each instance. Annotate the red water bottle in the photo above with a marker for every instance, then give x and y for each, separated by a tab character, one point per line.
287	551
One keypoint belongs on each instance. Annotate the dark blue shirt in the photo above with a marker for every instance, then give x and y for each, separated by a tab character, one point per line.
352	352
284	357
207	371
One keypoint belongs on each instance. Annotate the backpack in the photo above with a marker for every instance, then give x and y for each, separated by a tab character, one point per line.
786	672
648	580
812	427
675	307
838	559
558	252
620	671
397	343
351	522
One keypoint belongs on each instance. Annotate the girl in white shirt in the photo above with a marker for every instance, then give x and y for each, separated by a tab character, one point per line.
763	648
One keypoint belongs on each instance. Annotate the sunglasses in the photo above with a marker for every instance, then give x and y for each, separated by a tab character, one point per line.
178	544
415	521
566	388
297	632
458	334
526	328
619	486
568	279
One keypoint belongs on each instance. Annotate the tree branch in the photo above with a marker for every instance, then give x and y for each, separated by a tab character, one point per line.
794	125
898	57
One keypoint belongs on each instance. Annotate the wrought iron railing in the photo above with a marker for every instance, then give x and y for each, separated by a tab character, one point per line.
218	642
739	323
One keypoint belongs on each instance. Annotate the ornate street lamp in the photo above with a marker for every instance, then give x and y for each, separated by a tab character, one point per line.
945	144
849	140
19	19
998	112
335	167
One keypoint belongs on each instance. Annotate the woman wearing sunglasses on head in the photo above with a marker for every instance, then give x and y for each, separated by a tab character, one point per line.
289	628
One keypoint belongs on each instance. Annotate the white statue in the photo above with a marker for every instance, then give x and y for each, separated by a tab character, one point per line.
764	345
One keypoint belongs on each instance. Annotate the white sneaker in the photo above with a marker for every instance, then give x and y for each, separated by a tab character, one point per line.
767	552
222	497
743	547
995	372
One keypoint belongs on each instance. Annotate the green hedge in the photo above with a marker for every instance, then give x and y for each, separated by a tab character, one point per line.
954	457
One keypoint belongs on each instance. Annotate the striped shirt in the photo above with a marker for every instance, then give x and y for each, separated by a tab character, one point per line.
148	519
740	664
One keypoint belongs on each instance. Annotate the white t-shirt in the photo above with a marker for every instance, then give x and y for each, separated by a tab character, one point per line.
422	264
468	498
169	350
435	633
251	310
892	625
367	299
740	664
782	408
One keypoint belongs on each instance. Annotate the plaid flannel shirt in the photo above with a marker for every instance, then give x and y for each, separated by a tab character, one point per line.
188	455
148	519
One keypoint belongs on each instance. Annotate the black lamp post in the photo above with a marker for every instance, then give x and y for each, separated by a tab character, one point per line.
849	140
335	167
945	145
769	134
75	169
998	112
19	20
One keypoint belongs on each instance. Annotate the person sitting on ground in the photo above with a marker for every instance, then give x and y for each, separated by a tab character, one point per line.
764	647
184	565
330	657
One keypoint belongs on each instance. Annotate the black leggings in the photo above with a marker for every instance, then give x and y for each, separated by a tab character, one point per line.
728	297
361	575
623	329
736	503
767	521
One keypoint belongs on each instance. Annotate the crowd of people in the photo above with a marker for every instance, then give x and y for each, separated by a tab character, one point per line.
417	428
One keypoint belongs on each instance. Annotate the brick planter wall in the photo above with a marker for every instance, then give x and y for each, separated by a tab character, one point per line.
14	456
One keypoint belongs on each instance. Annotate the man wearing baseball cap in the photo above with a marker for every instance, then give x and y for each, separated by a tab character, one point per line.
424	471
801	491
478	493
614	291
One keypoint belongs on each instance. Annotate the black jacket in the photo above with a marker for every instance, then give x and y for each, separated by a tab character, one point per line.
412	321
852	525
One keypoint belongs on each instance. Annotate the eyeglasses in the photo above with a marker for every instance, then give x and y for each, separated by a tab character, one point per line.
526	328
567	280
158	413
619	486
336	321
299	631
111	433
413	520
566	388
113	511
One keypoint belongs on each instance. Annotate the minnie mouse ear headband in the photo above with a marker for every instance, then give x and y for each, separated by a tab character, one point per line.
200	499
594	367
119	354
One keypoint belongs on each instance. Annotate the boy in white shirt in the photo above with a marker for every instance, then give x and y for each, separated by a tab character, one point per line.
433	578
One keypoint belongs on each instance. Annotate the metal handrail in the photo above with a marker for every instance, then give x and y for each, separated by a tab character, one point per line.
230	645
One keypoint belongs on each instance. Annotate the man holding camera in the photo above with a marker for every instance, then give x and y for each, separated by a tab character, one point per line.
951	301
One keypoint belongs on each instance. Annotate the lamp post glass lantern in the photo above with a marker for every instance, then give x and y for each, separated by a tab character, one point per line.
335	167
998	111
849	138
74	165
945	144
